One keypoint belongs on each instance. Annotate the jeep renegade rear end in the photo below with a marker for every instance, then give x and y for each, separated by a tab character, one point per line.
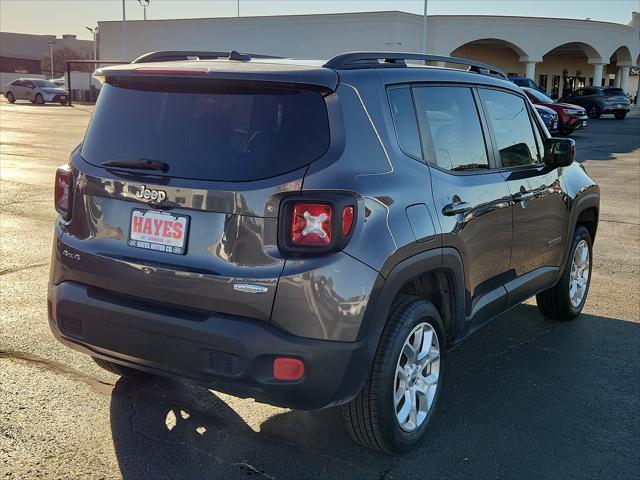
313	234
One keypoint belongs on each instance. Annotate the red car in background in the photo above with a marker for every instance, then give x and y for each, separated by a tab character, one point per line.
570	117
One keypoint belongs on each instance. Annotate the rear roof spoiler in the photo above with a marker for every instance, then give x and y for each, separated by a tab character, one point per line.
359	60
173	55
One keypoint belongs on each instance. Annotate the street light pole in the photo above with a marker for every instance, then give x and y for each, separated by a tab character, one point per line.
51	42
144	4
124	32
94	32
424	28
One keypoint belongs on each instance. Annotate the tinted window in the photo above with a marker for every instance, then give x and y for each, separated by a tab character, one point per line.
211	134
450	128
404	119
45	83
17	83
512	128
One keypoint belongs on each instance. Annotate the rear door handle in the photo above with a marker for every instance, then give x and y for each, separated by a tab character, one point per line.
456	208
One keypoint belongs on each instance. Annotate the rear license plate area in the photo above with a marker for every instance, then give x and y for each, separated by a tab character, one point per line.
159	231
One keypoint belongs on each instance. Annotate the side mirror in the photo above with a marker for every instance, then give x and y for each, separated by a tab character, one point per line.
559	152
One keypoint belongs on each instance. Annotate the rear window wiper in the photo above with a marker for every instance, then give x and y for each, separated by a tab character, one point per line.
137	164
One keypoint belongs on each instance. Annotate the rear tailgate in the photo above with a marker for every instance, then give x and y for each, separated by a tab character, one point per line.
201	233
615	97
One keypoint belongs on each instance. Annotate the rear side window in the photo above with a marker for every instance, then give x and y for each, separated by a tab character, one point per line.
450	128
404	119
509	118
210	134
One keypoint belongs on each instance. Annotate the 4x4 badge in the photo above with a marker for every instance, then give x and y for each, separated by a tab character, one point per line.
157	196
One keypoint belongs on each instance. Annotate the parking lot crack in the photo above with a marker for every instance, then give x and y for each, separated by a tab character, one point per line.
58	368
23	267
522	344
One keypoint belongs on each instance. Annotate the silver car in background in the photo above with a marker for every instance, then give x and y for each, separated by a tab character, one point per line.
36	90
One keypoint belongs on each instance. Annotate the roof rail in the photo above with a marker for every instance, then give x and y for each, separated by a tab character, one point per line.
355	60
172	55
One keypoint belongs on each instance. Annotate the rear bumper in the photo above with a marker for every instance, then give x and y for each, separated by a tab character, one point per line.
226	353
615	108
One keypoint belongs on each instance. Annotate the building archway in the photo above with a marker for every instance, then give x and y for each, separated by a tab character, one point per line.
568	67
496	52
620	63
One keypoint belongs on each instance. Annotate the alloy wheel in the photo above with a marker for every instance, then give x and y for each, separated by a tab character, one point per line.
416	378
580	271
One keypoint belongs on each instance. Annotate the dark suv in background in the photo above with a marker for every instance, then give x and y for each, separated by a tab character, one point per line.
599	101
313	233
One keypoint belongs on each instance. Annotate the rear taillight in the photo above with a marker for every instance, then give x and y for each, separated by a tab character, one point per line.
347	219
605	97
311	224
320	224
62	195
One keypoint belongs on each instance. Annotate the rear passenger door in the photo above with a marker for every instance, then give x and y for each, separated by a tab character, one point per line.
469	191
539	209
18	89
28	89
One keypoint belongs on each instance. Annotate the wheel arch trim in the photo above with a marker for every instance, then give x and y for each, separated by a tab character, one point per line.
445	260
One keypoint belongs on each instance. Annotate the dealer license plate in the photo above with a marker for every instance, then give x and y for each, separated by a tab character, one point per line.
160	231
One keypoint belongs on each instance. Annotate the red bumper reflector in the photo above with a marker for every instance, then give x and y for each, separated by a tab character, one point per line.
285	368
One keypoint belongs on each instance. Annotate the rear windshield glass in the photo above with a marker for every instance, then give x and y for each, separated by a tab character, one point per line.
225	135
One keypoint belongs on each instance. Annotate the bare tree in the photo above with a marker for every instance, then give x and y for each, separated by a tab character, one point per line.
60	57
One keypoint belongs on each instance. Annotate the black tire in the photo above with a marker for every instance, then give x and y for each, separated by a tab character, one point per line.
11	98
121	370
594	112
371	416
620	115
555	303
39	99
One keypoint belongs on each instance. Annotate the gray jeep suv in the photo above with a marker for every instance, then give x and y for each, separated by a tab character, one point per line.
312	234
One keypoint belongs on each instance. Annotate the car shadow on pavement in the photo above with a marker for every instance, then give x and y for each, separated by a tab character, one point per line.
524	397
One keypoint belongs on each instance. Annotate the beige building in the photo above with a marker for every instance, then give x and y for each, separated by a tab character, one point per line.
560	54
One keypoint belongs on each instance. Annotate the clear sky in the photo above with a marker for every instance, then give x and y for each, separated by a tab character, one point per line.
55	17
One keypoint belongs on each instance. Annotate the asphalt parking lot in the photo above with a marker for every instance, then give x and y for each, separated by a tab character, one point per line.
524	397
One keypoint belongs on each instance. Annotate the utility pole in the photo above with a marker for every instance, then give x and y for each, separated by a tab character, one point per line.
424	28
238	8
51	42
124	33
